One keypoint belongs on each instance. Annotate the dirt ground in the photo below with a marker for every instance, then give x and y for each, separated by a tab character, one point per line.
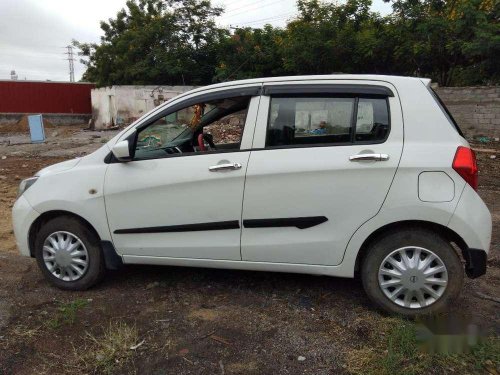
164	320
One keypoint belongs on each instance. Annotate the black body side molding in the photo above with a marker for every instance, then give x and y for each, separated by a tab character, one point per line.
299	222
218	225
111	259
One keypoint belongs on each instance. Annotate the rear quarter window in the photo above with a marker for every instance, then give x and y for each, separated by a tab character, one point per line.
445	111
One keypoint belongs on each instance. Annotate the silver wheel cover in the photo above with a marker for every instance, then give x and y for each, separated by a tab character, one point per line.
65	256
413	277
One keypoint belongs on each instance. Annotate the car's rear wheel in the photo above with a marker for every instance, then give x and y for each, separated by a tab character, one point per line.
69	254
412	272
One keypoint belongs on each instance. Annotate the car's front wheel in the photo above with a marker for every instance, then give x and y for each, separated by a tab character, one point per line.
412	272
69	254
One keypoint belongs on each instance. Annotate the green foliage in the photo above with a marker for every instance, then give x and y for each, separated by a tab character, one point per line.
401	349
486	354
403	354
156	41
104	354
250	53
455	42
66	313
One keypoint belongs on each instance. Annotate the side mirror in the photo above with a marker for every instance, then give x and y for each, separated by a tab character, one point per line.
121	151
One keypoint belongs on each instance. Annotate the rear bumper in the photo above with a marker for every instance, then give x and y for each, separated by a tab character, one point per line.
475	262
472	221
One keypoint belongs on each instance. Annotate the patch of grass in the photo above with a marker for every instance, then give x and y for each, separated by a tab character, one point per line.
399	352
66	313
25	332
403	352
109	351
482	358
395	352
486	352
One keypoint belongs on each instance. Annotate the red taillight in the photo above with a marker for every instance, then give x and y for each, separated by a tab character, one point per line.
465	165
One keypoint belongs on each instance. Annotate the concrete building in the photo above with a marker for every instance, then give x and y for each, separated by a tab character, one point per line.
476	109
121	105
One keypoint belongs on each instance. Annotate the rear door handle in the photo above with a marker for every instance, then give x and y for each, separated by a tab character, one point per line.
365	157
225	167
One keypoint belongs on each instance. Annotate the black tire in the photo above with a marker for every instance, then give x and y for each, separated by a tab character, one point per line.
96	267
419	237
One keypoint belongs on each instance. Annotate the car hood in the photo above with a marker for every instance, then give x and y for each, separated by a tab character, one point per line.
59	167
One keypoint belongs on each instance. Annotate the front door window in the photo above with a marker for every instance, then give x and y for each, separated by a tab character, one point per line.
203	127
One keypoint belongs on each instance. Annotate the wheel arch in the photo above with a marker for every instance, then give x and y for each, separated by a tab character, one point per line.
49	215
450	236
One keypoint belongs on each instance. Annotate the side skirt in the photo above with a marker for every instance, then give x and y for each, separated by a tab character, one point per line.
337	271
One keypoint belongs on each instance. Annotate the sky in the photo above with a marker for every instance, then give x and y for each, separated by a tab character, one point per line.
34	33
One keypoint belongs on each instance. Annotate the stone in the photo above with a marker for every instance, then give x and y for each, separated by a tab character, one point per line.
156	284
301	358
4	157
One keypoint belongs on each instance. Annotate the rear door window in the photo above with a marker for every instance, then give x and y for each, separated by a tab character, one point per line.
317	120
372	120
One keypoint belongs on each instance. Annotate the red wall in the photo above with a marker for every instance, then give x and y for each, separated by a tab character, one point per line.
45	97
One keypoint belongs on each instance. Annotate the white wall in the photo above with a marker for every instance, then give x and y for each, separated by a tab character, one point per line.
121	105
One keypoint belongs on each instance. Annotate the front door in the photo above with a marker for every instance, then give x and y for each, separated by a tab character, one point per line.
325	163
182	194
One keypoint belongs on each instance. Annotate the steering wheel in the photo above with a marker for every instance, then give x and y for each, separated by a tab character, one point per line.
201	142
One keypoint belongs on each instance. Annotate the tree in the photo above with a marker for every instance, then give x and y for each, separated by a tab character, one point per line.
455	42
250	53
328	38
447	39
156	42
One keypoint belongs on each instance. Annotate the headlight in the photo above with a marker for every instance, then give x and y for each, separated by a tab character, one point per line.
25	184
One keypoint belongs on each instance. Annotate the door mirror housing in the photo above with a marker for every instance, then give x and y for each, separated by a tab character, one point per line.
121	151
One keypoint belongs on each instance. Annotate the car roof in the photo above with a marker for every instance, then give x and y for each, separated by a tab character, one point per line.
363	77
394	80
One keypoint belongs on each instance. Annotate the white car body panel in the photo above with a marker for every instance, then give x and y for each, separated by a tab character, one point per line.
357	198
315	181
59	167
24	216
472	220
178	191
72	190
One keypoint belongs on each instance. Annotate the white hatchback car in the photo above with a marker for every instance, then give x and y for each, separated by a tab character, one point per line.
326	175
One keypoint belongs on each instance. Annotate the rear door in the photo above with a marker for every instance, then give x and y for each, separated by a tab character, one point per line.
325	154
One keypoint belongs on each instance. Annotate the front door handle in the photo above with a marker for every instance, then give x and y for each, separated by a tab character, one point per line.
373	157
225	167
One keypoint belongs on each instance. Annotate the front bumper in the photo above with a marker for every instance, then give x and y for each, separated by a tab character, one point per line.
475	262
23	215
